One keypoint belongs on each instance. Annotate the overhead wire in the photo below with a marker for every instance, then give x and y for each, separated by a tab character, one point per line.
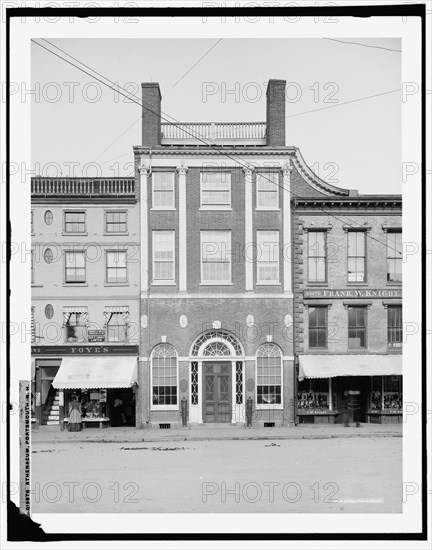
178	124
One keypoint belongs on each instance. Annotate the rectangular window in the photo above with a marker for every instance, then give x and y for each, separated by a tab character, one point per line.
318	327
116	267
75	268
267	257
356	256
216	257
267	186
394	257
163	257
116	328
116	221
74	222
163	190
357	327
75	328
215	190
394	326
317	256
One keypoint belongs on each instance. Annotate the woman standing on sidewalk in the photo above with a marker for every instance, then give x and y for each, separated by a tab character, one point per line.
75	412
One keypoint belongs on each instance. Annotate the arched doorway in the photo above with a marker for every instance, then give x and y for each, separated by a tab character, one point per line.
217	376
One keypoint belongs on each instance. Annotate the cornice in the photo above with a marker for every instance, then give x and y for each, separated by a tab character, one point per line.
220	150
314	181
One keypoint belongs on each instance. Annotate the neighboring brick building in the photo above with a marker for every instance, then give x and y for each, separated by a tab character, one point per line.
216	265
85	294
348	306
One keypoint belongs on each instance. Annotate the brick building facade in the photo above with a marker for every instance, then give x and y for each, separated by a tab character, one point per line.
348	306
85	295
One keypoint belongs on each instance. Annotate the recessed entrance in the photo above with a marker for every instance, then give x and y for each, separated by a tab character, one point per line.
217	392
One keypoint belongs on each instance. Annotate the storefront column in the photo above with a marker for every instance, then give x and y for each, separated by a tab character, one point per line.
144	170
182	170
248	170
330	395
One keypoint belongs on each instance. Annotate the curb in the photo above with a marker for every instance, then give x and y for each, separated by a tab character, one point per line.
178	438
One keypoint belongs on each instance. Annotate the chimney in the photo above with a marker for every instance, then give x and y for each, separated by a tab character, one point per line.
151	113
276	113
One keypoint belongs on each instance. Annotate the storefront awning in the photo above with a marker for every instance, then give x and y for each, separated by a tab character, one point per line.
96	372
329	366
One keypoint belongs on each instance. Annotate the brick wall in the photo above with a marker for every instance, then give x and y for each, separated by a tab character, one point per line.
151	113
337	246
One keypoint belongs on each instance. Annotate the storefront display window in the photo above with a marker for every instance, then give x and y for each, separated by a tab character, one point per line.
392	392
386	393
93	403
314	395
376	393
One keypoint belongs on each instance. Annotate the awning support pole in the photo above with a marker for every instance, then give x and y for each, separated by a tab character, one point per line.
330	386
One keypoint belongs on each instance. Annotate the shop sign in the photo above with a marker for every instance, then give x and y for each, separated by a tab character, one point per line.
103	396
84	349
61	398
96	335
353	293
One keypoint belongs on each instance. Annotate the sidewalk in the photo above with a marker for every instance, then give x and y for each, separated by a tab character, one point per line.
206	432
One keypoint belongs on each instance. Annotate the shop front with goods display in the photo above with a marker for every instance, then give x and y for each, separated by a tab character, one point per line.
94	386
327	382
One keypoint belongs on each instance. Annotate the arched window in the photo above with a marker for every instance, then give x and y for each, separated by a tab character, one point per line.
164	376
269	375
216	348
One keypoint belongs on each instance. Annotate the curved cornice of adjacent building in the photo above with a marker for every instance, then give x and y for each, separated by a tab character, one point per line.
292	152
315	181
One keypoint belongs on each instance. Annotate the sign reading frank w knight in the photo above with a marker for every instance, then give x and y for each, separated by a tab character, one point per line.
353	293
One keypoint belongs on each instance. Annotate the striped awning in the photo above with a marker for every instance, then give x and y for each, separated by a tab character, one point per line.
330	366
96	372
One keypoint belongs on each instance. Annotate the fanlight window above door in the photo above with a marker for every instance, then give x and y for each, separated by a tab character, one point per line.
221	335
216	348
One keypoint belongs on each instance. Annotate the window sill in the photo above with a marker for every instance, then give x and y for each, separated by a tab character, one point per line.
394	283
269	284
353	283
164	284
64	234
120	233
34	285
396	351
116	284
323	285
156	408
153	209
73	285
317	350
216	284
215	208
262	209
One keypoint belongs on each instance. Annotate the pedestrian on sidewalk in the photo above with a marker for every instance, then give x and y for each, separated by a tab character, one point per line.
117	415
75	415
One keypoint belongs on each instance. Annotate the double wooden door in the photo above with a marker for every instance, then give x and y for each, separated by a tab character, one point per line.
217	392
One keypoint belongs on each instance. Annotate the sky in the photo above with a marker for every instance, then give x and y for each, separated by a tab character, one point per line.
347	137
